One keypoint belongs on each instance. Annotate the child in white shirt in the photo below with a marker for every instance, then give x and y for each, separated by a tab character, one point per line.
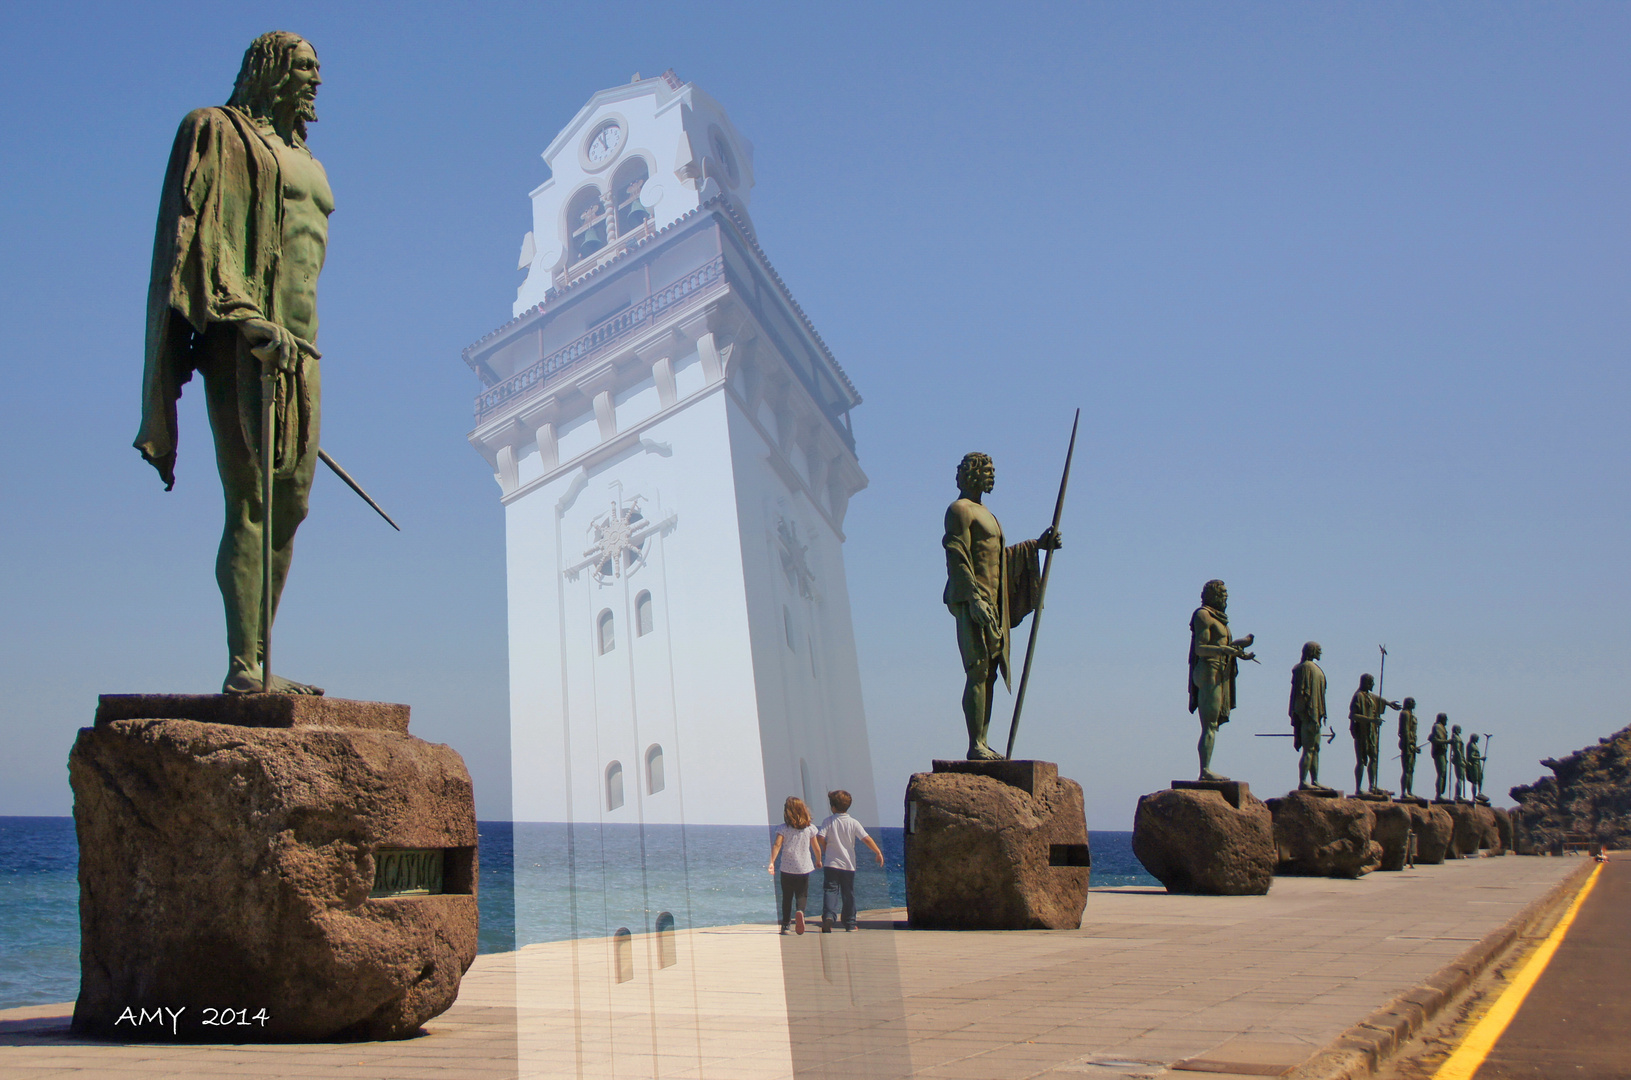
797	846
837	846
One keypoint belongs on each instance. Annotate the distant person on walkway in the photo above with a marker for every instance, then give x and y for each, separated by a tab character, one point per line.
837	847
798	849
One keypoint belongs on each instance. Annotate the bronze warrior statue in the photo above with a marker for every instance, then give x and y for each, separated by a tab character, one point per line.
1475	768
989	589
1308	715
1458	762
242	235
1214	661
1365	712
1407	747
1439	740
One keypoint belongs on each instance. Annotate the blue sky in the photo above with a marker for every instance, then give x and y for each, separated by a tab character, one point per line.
1340	290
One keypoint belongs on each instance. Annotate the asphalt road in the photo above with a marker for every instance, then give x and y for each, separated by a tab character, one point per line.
1576	1022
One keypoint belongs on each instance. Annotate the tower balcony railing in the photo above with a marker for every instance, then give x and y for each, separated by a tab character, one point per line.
631	319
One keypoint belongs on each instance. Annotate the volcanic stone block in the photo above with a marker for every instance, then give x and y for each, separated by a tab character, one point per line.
1475	829
1434	828
319	881
984	853
1503	827
1391	825
1197	841
1318	837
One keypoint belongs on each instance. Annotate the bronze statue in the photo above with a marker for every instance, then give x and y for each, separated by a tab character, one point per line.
1365	711
989	589
1308	716
1474	767
242	235
1214	661
1458	762
1439	740
1407	747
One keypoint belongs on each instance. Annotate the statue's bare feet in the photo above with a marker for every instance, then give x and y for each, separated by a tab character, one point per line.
982	752
1208	774
242	682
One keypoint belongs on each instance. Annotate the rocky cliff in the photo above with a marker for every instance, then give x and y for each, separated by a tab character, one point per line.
1588	796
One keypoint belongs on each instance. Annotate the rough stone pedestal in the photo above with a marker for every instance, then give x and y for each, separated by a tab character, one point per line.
1475	829
1211	838
1434	829
995	845
1391	826
292	868
1322	837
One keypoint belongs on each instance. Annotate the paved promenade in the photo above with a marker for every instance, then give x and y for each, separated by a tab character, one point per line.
1151	985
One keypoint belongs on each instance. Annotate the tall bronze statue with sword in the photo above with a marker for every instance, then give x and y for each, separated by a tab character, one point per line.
242	236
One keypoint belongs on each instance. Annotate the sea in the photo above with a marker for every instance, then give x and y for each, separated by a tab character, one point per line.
539	882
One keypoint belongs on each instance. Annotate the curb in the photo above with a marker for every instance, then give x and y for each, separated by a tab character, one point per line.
1358	1052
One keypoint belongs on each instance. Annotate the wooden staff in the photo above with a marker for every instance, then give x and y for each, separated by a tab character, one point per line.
1042	589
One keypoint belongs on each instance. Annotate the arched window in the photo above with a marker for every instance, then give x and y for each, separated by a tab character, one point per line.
642	613
654	769
614	785
586	223
623	954
631	178
787	627
665	940
605	632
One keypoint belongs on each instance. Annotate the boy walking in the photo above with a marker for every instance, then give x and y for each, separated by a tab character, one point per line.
837	840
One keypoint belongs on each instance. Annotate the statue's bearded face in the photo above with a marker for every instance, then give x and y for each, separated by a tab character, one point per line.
1215	595
299	87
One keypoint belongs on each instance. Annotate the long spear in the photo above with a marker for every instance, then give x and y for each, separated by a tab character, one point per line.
1042	589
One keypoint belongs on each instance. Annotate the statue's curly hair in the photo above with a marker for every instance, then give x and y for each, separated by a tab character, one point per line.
266	67
965	468
1210	591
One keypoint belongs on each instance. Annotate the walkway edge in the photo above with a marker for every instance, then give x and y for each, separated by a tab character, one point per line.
1358	1052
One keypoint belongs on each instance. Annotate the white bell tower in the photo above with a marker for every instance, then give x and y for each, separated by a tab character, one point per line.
672	445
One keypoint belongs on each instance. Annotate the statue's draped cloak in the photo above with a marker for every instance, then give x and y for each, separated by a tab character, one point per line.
1307	698
1012	596
1233	663
215	259
1364	708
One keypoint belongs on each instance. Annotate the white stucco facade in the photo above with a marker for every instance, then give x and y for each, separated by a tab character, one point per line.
671	442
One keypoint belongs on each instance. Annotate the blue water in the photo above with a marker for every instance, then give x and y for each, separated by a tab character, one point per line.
702	876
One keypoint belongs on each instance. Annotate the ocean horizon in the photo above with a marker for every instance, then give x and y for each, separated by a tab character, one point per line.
578	881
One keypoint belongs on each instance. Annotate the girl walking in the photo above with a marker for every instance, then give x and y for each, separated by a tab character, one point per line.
795	846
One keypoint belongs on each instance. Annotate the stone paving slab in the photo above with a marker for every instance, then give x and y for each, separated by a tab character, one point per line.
1149	982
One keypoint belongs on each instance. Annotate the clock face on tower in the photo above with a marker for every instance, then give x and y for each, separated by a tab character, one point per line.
604	143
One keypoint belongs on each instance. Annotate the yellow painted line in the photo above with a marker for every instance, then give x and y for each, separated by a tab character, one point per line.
1462	1064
